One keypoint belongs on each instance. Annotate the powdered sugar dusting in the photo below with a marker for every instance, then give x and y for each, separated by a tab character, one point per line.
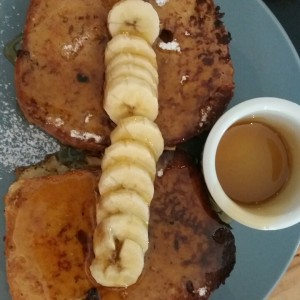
88	118
170	46
6	18
161	2
85	136
21	144
69	51
57	122
202	291
160	172
204	113
184	78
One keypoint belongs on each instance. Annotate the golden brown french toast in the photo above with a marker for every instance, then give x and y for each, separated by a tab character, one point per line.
59	72
50	221
191	251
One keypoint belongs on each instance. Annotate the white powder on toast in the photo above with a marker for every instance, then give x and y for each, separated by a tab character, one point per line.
21	144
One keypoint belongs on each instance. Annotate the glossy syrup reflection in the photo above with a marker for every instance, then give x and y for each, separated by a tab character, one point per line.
252	162
190	250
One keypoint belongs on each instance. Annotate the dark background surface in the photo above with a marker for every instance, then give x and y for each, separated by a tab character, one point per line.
288	14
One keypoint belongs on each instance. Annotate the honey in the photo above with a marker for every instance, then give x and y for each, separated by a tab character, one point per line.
252	162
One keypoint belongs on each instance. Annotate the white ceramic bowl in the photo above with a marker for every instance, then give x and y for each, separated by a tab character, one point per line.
282	211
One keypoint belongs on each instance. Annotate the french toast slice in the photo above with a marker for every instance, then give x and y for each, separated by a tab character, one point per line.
191	252
59	73
50	221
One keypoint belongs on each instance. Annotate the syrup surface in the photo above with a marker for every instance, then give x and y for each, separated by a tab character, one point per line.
51	236
252	162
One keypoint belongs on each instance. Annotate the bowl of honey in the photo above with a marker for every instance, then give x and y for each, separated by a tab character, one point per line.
251	163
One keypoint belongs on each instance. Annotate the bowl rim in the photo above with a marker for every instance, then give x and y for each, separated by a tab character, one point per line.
242	110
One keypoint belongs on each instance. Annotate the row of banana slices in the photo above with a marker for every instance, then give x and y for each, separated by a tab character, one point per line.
129	164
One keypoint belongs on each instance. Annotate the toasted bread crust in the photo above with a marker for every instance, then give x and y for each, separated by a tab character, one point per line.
50	221
59	73
46	248
191	252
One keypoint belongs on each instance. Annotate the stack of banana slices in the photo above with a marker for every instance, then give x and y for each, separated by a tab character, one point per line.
129	165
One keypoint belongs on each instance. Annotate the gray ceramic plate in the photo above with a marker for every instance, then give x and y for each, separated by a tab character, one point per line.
266	64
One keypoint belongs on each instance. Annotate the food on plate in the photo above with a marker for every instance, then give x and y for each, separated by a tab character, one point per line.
129	44
130	95
121	240
127	175
129	150
129	63
191	252
60	71
50	222
49	231
129	90
130	77
134	17
143	131
122	201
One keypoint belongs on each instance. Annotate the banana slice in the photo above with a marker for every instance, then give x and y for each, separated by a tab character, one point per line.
125	271
129	95
119	244
129	150
122	201
124	70
132	59
127	175
126	184
115	229
125	43
135	17
140	129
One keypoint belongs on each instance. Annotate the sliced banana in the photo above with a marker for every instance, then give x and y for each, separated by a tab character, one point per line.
125	43
129	150
122	201
126	184
135	17
120	242
124	70
127	175
115	229
132	59
141	129
129	95
126	269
